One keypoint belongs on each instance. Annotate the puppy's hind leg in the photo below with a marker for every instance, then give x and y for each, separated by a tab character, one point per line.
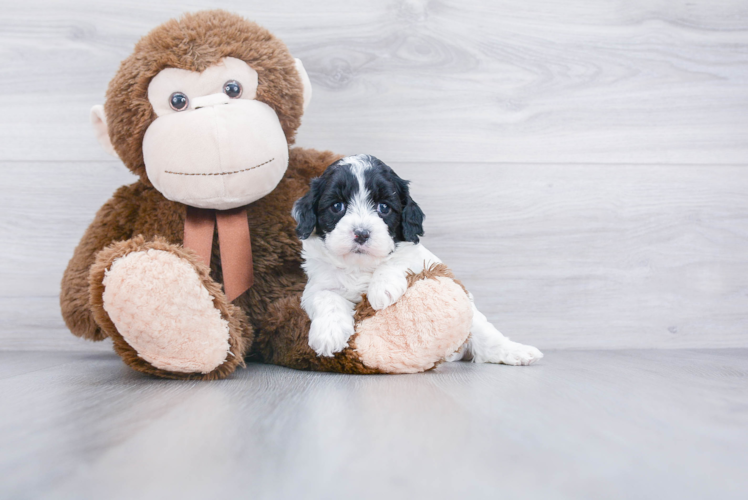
488	345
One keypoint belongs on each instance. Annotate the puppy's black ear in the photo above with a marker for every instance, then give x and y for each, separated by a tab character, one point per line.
411	217
305	210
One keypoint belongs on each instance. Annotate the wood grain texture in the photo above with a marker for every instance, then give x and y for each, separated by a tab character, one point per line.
558	256
580	425
415	80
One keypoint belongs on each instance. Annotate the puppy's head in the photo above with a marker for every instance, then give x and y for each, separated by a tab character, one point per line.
359	207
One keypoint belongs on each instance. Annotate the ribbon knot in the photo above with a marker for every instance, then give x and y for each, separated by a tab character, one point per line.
233	241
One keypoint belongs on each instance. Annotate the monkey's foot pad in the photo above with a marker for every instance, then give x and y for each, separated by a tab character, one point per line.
427	324
159	305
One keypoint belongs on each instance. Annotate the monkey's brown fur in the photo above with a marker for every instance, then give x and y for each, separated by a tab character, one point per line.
265	323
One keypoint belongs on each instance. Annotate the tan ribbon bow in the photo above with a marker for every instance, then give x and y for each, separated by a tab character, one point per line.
233	240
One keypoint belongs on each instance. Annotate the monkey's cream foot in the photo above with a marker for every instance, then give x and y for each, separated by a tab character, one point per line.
428	323
159	305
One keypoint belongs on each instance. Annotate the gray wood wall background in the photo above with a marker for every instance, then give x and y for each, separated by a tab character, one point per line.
583	165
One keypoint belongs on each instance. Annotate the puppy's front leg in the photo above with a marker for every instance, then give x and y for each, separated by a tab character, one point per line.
388	284
332	321
488	345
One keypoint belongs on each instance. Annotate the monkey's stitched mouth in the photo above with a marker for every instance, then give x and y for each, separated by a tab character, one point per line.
220	173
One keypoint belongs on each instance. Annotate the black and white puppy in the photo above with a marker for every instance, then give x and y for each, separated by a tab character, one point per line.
360	231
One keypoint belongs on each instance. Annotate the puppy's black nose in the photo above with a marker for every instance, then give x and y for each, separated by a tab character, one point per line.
361	235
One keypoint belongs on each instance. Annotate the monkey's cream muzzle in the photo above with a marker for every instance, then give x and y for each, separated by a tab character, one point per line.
218	152
221	155
210	100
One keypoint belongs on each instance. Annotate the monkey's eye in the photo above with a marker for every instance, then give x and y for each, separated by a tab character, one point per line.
338	207
383	209
178	101
233	89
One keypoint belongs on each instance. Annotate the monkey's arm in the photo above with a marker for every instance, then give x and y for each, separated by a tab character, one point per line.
113	222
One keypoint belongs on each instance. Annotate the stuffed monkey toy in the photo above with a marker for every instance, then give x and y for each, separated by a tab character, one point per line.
196	266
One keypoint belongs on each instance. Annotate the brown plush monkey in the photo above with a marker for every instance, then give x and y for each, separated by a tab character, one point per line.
204	111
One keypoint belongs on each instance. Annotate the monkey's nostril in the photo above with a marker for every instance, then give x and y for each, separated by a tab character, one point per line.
360	235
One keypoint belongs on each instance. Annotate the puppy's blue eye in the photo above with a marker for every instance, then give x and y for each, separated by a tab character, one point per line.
383	208
338	207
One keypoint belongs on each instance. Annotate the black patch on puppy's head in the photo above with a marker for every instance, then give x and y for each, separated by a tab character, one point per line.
313	212
405	221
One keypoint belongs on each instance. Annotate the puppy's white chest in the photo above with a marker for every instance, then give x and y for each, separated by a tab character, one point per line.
352	284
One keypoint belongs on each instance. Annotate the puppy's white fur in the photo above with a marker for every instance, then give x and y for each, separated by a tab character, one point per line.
340	271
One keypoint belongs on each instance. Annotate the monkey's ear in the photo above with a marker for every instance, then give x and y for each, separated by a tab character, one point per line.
101	129
305	81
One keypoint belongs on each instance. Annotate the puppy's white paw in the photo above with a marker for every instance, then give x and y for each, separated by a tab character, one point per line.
386	290
513	353
330	334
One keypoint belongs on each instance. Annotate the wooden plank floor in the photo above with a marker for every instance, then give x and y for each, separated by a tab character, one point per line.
579	425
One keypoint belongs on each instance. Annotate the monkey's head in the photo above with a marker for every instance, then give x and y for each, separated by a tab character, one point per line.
204	110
